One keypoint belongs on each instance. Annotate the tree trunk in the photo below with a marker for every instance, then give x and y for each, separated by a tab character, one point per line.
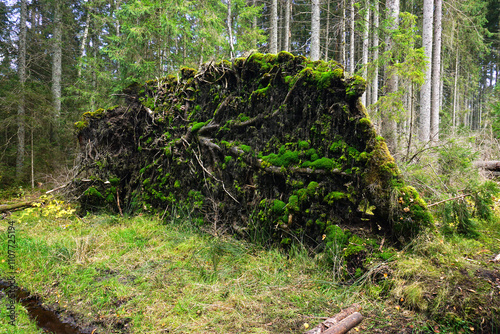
84	42
288	10
436	72
254	24
425	93
455	94
366	24
57	59
375	44
352	67
315	29
230	30
327	31
343	59
273	33
389	125
22	81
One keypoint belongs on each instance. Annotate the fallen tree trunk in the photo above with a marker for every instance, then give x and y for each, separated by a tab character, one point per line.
335	324
15	206
489	165
346	325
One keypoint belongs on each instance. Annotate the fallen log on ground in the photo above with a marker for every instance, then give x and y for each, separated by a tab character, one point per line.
340	323
15	206
488	165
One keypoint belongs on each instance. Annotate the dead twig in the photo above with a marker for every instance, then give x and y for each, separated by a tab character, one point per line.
449	199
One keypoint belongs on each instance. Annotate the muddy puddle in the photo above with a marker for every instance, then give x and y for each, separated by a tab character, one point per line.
46	318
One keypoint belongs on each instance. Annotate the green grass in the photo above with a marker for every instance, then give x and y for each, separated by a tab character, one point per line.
149	275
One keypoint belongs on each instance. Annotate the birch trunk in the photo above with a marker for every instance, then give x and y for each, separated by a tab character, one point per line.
425	93
436	72
315	29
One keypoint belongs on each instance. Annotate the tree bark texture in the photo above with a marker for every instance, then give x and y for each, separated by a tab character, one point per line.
330	323
352	64
273	33
425	93
57	59
374	94
343	59
366	43
288	12
22	80
436	72
315	30
389	125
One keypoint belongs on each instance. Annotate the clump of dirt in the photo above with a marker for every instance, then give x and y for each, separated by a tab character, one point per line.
269	146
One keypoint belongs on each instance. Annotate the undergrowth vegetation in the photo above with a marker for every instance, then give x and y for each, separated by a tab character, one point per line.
171	272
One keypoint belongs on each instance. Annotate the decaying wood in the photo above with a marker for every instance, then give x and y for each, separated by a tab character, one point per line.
58	188
496	259
15	206
345	325
489	165
332	322
448	199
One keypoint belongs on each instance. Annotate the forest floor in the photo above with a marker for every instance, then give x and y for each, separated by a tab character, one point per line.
140	274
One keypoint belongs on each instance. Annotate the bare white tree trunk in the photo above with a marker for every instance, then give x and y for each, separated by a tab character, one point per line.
57	59
22	80
436	72
375	52
273	36
352	67
288	10
315	29
366	24
425	93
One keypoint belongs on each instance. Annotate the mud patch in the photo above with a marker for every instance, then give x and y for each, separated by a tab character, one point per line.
58	321
46	318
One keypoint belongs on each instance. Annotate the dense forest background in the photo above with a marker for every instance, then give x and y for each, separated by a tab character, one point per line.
432	67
